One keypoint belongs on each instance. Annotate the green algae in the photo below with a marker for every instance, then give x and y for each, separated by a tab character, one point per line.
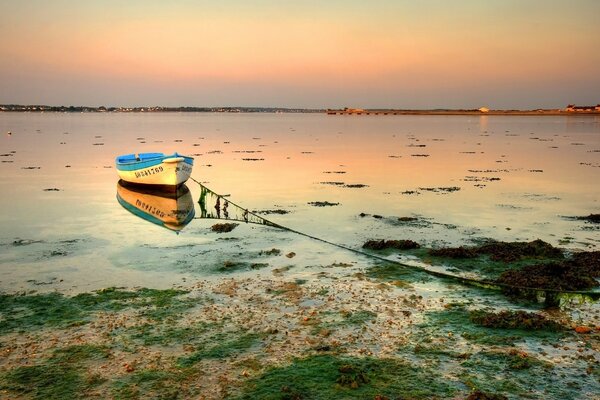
330	377
36	311
328	321
389	272
165	335
227	345
58	377
155	384
486	359
513	372
459	322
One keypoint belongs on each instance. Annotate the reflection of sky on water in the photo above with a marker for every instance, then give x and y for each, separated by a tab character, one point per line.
547	168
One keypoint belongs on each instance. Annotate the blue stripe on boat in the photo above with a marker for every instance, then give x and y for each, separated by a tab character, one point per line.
129	162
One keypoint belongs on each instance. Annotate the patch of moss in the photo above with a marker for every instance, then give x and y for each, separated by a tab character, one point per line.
58	377
329	377
23	312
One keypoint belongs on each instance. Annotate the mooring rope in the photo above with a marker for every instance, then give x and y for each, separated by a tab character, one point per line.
251	217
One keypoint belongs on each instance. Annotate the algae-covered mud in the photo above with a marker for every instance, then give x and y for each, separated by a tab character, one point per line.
96	302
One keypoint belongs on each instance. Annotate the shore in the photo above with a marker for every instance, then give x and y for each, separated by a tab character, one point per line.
350	331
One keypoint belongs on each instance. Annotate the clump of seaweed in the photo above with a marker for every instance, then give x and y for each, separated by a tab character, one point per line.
390	244
508	319
502	251
595	218
223	228
323	204
577	273
454	252
407	219
513	251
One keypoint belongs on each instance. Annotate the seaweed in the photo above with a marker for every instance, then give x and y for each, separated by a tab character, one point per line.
223	228
514	251
455	252
508	319
165	335
331	377
322	204
502	251
595	218
21	312
58	377
225	347
390	244
151	383
577	273
480	395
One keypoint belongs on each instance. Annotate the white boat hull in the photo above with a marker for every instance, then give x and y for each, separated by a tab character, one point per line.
170	172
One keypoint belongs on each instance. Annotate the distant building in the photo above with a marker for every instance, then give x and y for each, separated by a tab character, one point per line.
484	110
354	110
574	108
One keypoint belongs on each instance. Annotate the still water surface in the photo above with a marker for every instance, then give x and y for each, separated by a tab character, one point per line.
465	178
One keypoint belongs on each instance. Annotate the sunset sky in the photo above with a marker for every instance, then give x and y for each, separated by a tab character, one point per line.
401	54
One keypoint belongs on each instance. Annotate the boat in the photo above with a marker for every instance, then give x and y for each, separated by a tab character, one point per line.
154	168
172	210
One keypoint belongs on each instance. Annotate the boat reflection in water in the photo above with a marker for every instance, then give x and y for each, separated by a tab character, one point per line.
172	210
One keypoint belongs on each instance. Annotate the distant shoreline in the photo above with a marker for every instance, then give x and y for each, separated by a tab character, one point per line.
351	112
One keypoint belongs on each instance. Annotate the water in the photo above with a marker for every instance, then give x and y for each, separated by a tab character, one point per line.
466	178
260	296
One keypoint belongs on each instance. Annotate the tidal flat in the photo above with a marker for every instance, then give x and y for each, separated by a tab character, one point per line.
96	302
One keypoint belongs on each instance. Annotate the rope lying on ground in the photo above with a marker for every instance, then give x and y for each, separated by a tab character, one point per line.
222	210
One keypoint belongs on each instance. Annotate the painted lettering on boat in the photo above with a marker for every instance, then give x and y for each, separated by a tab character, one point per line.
183	167
149	209
149	171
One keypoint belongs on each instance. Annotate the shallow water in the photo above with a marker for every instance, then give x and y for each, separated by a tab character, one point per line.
465	177
260	308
